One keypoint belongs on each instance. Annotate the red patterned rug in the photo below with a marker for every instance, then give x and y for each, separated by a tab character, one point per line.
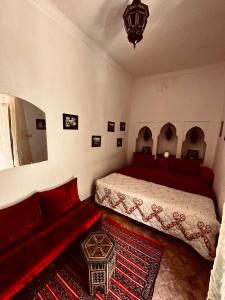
137	265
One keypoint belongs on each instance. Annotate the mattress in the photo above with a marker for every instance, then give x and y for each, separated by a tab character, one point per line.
189	217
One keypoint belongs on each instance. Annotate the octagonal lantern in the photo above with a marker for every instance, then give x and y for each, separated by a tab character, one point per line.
135	19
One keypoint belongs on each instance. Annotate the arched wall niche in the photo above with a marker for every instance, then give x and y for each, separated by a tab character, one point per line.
167	140
194	145
144	140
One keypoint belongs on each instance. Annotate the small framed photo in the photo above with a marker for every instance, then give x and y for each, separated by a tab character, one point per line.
96	141
111	126
192	154
122	126
147	150
119	142
221	129
40	124
70	121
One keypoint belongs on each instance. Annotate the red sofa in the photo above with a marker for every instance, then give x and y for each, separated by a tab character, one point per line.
37	230
182	174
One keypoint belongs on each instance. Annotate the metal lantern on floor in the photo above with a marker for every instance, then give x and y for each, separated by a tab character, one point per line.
135	19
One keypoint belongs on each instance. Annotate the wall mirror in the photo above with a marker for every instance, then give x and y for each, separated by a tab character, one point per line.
22	132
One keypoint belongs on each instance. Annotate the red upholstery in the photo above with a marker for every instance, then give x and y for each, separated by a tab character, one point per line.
186	166
19	220
142	160
56	201
188	183
21	263
164	163
207	175
28	244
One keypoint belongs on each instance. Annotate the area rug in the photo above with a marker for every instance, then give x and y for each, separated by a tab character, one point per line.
137	265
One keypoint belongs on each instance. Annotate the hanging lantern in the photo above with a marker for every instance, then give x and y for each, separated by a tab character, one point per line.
147	134
169	133
194	135
135	19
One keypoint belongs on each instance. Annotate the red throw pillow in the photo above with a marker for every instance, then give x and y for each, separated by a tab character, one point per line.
143	160
58	200
19	220
207	175
164	163
187	166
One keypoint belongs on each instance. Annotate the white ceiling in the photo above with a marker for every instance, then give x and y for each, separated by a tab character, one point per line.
180	34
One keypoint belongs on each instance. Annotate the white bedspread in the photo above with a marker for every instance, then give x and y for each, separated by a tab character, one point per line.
189	217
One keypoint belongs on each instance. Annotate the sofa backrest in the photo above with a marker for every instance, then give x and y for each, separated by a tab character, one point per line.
177	165
142	160
23	218
58	200
19	220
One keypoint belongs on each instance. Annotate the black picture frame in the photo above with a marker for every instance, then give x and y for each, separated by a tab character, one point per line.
40	124
192	154
221	129
96	141
146	150
122	126
70	121
119	142
111	126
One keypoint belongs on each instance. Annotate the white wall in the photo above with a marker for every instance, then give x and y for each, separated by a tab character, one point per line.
57	69
219	168
186	99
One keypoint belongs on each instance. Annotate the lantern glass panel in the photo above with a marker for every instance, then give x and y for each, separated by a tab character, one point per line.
133	19
141	19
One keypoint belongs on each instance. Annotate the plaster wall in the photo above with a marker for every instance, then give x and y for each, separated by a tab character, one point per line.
56	68
186	99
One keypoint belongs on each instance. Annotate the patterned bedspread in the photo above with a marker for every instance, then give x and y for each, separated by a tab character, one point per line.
189	217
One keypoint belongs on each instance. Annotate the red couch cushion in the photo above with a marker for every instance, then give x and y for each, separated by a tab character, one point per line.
142	160
19	220
207	175
186	166
58	200
28	259
164	163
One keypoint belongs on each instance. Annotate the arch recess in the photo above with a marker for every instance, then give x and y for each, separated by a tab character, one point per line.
167	140
194	145
144	141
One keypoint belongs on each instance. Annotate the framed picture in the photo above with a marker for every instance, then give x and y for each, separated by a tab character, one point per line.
40	124
111	126
119	142
192	154
96	141
147	150
122	126
221	129
70	121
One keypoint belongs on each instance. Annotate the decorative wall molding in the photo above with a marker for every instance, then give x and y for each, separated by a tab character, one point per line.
200	69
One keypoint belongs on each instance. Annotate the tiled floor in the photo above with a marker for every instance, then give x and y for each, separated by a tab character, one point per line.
183	275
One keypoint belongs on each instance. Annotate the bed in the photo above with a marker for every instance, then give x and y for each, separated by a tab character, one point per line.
186	215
